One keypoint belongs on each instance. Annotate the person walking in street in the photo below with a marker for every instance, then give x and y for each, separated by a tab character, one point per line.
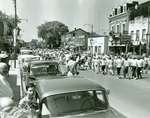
103	65
140	63
125	67
133	66
119	63
71	67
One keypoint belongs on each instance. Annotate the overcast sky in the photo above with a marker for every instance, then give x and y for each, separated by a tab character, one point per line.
73	13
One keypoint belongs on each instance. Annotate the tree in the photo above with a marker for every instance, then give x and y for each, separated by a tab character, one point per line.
51	33
7	25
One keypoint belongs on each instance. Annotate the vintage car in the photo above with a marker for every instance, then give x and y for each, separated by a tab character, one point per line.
74	98
26	52
43	69
23	61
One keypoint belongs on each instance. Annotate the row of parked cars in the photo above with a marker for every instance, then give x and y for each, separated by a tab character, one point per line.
64	97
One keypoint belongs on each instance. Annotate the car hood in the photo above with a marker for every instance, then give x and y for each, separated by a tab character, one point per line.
109	113
49	77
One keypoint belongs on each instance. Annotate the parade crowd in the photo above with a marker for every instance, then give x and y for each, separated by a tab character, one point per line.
124	66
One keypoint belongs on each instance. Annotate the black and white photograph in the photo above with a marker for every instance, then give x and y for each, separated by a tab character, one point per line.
74	58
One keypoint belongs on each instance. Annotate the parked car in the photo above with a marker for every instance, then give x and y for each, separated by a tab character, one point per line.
74	98
24	61
43	69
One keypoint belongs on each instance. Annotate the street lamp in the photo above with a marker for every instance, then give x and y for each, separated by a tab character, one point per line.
15	32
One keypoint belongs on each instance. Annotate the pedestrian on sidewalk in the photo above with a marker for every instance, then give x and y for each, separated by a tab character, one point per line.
5	89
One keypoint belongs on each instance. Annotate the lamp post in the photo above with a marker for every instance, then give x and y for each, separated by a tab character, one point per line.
15	32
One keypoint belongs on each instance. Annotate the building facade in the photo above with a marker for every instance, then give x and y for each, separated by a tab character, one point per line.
120	39
98	45
76	39
139	28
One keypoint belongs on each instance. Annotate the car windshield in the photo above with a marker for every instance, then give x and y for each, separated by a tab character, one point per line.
44	69
75	102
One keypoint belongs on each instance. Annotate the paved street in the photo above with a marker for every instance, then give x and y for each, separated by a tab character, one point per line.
131	97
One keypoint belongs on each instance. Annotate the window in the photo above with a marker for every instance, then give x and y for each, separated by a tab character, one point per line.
124	8
124	28
68	103
115	11
137	35
143	35
113	28
96	49
132	35
118	28
121	9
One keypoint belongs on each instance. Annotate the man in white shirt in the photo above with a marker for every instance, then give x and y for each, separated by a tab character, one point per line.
72	67
133	65
139	64
126	67
119	63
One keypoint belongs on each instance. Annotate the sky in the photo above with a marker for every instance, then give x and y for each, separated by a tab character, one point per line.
73	13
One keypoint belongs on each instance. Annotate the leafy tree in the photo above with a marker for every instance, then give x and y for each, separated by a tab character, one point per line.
6	38
51	33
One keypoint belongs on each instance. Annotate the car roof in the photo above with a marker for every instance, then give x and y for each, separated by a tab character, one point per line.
57	86
43	62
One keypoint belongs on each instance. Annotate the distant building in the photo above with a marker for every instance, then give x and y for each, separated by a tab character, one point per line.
98	45
120	40
76	39
139	28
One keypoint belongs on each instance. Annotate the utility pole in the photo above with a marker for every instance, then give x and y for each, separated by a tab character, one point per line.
91	26
15	32
148	36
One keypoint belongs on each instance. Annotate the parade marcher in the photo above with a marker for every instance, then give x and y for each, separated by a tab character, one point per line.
125	67
133	62
103	65
110	65
96	64
119	63
72	67
5	89
139	68
146	64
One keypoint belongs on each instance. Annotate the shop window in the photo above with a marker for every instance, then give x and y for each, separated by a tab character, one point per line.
143	35
137	35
